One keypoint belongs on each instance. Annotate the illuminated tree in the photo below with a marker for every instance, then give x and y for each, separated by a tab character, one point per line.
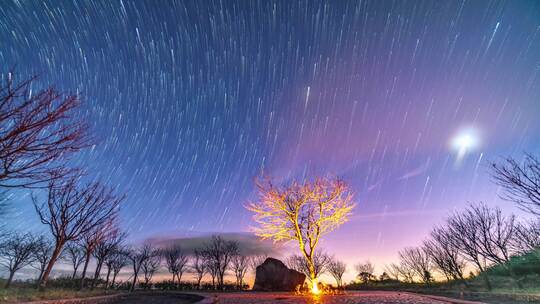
302	212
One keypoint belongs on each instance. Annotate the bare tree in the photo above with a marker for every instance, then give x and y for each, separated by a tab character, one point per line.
418	261
39	131
257	260
302	212
520	182
199	265
90	241
42	254
16	252
118	260
497	232
526	237
393	271
150	266
444	254
72	211
337	269
218	253
105	248
240	266
406	272
75	254
138	256
464	235
176	261
320	261
364	271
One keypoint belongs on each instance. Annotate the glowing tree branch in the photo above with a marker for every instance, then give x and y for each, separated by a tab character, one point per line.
302	212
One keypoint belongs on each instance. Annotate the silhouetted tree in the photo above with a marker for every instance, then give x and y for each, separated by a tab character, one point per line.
16	252
39	131
90	241
384	277
218	253
257	260
526	237
320	261
240	266
138	256
199	266
176	261
418	261
302	212
520	182
75	255
337	269
464	235
444	254
393	271
112	241
43	251
150	266
118	260
406	272
71	211
364	271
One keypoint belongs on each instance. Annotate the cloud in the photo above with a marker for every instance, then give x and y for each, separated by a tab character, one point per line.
416	171
249	244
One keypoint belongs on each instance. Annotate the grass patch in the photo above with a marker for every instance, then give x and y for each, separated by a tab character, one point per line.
22	294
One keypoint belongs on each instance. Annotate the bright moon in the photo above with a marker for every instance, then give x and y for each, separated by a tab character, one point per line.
463	142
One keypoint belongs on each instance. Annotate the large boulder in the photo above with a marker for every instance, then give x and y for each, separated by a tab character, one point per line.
273	275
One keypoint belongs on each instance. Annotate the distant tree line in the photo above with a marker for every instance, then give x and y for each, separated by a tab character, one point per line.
478	237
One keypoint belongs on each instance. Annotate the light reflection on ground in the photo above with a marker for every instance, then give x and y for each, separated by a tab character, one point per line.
348	298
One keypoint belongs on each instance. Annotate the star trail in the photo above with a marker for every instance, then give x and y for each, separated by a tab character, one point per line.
192	100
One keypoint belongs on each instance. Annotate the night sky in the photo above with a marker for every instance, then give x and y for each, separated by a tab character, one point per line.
191	100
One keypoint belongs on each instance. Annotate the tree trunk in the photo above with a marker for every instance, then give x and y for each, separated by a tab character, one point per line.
8	283
135	274
113	279
97	273
54	257
74	272
83	274
41	271
107	279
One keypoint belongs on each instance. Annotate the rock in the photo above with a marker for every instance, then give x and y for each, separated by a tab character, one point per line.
273	275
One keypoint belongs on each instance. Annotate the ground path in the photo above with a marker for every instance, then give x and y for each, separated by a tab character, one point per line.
356	297
362	297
